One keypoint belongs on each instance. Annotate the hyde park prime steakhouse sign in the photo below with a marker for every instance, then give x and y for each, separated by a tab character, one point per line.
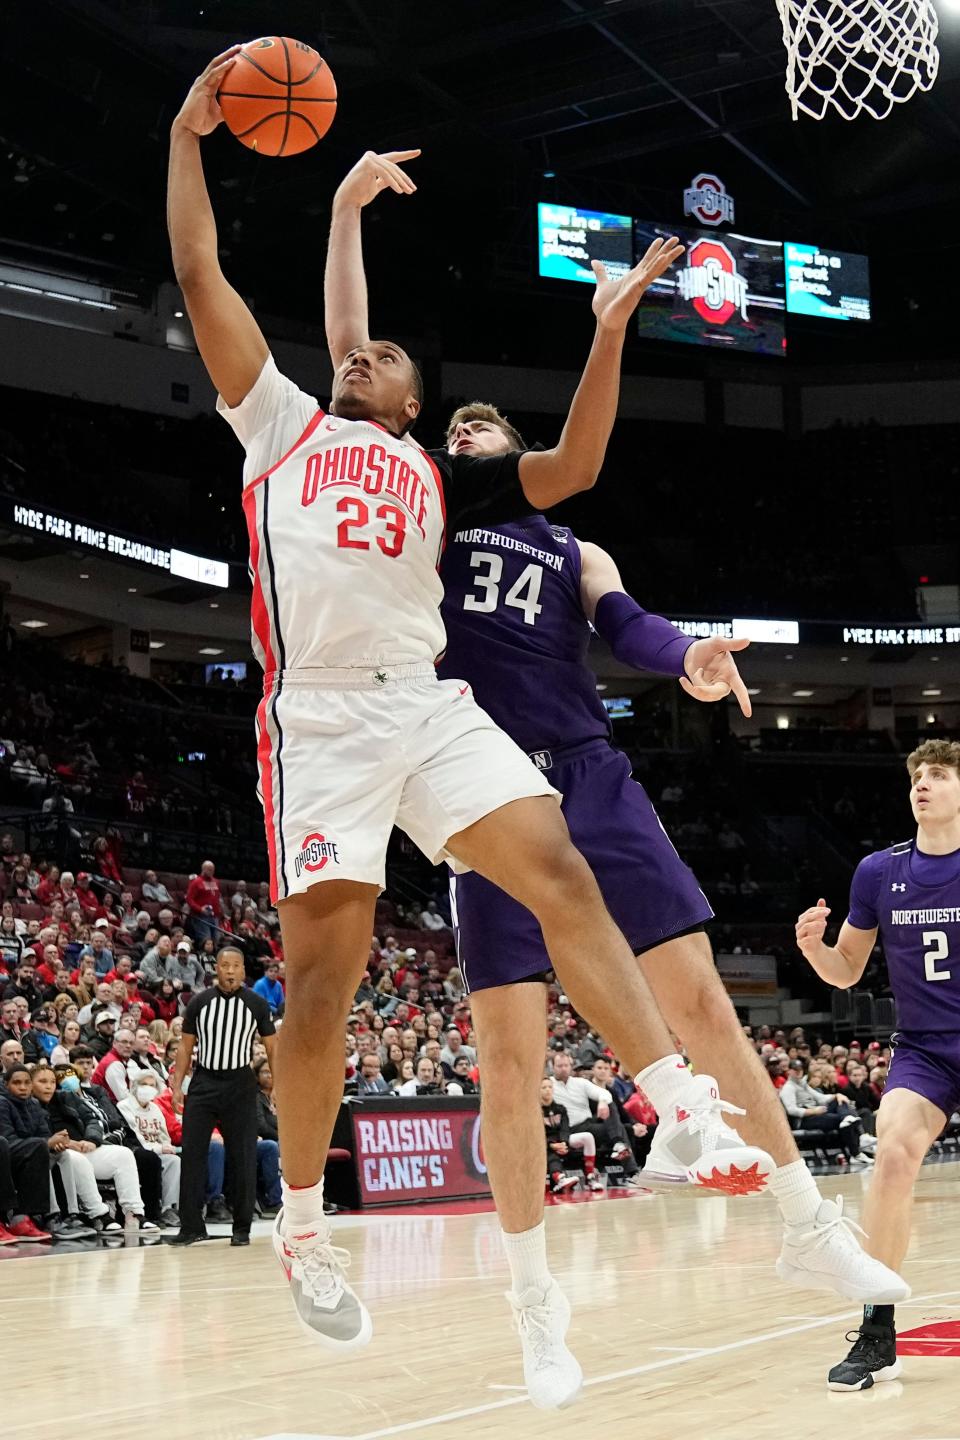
90	535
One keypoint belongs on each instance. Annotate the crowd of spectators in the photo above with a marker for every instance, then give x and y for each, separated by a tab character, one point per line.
96	969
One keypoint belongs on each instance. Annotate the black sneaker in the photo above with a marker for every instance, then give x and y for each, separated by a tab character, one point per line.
872	1358
185	1237
240	1237
218	1212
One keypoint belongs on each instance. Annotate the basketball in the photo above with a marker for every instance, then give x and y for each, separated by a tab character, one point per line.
280	97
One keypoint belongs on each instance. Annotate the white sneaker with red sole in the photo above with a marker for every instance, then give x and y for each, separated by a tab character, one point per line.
695	1146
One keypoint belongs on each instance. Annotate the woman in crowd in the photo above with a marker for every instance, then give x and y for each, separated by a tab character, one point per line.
19	889
12	944
387	998
268	1142
166	1001
159	1032
392	1064
90	1118
170	1052
404	1073
66	1008
146	1120
69	1036
84	980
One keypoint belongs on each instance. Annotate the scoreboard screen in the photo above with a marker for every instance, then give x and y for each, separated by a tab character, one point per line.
827	284
726	291
568	239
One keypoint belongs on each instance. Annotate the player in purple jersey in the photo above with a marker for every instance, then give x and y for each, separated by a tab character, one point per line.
909	895
521	587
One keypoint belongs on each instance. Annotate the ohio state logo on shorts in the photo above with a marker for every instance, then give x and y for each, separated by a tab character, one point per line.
316	852
711	280
707	200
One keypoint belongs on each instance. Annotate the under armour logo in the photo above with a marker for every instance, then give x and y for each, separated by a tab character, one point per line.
898	886
380	676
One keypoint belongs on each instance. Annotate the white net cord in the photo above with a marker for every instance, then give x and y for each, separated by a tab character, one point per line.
857	55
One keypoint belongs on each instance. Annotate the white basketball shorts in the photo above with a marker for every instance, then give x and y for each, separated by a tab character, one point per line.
344	755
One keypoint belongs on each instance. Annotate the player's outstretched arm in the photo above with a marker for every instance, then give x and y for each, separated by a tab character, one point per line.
228	338
841	964
705	668
344	280
549	476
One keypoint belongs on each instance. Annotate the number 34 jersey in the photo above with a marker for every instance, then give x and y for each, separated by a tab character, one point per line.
347	524
517	632
913	898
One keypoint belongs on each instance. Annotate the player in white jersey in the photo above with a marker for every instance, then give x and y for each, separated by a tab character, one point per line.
346	521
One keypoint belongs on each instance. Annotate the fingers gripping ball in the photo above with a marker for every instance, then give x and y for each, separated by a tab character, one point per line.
279	98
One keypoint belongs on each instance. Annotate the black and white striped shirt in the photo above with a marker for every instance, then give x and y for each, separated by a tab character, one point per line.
226	1026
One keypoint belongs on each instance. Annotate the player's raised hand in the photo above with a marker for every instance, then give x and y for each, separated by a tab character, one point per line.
200	111
712	672
374	173
811	927
614	301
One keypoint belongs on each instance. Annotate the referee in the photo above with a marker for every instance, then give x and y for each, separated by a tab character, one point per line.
221	1024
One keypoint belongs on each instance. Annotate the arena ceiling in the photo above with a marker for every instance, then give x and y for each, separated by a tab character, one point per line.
613	104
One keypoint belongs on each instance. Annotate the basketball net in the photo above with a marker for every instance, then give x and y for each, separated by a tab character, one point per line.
856	55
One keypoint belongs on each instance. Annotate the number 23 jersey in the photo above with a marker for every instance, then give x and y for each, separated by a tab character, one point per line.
347	524
914	900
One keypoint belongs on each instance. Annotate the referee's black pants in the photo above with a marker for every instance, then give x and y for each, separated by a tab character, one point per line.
225	1100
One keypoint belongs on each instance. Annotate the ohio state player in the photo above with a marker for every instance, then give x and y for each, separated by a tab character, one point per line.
346	522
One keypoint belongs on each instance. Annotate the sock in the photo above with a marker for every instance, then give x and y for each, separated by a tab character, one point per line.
589	1164
303	1207
527	1258
796	1193
666	1082
879	1315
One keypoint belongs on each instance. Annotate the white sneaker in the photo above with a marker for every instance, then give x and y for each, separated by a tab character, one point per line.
326	1307
563	1183
825	1256
594	1181
695	1147
553	1376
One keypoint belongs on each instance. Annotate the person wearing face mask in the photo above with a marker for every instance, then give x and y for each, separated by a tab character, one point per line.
146	1119
87	1113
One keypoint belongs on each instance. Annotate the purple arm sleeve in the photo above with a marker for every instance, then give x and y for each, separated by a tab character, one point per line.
637	638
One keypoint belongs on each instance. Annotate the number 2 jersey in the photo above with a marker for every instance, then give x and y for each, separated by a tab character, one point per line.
517	632
347	524
914	900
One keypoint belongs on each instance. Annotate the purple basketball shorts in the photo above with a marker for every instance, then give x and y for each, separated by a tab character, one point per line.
928	1063
651	894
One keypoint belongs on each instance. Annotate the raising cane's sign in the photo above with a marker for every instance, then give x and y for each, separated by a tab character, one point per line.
423	1155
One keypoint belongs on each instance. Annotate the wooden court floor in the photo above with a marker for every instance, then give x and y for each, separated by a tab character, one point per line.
679	1321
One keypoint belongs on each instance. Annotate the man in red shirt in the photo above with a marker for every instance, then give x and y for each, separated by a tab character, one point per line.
204	903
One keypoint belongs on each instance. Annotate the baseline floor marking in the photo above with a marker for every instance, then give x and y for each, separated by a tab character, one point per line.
613	1375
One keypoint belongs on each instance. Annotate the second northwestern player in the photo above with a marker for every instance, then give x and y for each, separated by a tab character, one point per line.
909	896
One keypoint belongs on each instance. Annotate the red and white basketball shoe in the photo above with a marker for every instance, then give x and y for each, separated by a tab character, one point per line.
694	1146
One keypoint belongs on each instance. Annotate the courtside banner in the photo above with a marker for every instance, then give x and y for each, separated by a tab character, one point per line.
433	1153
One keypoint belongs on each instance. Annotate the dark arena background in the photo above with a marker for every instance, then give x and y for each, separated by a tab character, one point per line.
785	467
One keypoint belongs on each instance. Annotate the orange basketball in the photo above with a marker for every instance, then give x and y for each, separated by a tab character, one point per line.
280	97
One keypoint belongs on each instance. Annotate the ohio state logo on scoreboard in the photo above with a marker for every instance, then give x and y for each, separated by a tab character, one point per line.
711	280
706	198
